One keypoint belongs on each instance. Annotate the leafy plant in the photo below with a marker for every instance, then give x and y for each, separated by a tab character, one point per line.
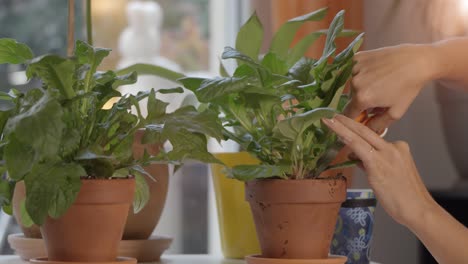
57	134
274	102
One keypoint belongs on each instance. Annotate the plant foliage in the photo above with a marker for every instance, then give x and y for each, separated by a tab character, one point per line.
54	135
274	103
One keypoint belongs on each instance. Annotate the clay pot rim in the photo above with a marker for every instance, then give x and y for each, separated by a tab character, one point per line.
105	191
303	191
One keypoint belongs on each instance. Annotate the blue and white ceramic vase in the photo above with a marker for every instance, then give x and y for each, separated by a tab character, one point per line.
353	233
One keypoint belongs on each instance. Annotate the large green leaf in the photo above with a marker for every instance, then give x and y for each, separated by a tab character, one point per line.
336	27
18	157
150	69
252	172
284	36
293	127
40	127
189	119
189	146
13	52
86	54
6	192
276	65
52	189
250	37
56	72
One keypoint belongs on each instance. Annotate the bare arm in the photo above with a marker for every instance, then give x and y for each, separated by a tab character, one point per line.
391	78
395	180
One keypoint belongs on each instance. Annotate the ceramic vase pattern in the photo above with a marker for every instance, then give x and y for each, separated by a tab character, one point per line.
353	233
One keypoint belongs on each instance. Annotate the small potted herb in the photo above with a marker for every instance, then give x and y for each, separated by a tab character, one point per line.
74	153
272	107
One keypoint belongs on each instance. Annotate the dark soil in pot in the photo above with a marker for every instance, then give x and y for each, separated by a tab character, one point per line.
295	219
92	227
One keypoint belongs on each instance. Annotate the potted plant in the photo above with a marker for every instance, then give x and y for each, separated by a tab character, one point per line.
74	155
274	104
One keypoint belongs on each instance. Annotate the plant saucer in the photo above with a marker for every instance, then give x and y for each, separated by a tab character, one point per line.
258	259
145	250
119	260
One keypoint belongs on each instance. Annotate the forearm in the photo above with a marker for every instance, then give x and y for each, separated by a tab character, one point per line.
449	61
443	236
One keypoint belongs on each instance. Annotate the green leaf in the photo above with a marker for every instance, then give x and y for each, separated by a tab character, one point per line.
14	52
25	217
250	37
191	83
40	127
219	87
142	193
156	108
274	64
222	70
125	79
150	69
252	172
189	119
87	54
18	158
284	36
293	127
171	90
6	192
336	27
52	189
55	72
189	146
231	53
352	48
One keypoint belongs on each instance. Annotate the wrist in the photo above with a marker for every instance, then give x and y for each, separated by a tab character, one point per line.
421	216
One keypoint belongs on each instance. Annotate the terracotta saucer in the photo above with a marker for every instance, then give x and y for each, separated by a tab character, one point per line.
149	250
119	260
258	259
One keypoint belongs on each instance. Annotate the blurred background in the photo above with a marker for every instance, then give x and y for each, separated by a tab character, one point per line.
189	35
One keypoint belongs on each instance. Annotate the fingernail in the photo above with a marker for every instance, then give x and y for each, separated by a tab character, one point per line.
329	120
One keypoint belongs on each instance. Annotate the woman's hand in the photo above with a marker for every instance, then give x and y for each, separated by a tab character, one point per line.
389	79
390	169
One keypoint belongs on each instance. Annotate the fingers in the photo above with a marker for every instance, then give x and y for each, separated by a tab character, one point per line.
380	122
356	143
352	109
364	132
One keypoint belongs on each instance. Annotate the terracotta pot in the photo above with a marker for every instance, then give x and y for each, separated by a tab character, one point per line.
92	228
236	226
141	225
295	219
19	195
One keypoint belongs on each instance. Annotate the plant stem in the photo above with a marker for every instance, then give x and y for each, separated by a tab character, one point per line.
71	27
89	23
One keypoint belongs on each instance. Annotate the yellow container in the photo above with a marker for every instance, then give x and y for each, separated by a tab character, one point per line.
237	229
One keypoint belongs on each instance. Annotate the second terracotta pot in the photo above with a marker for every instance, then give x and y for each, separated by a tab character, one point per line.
295	219
92	227
141	225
